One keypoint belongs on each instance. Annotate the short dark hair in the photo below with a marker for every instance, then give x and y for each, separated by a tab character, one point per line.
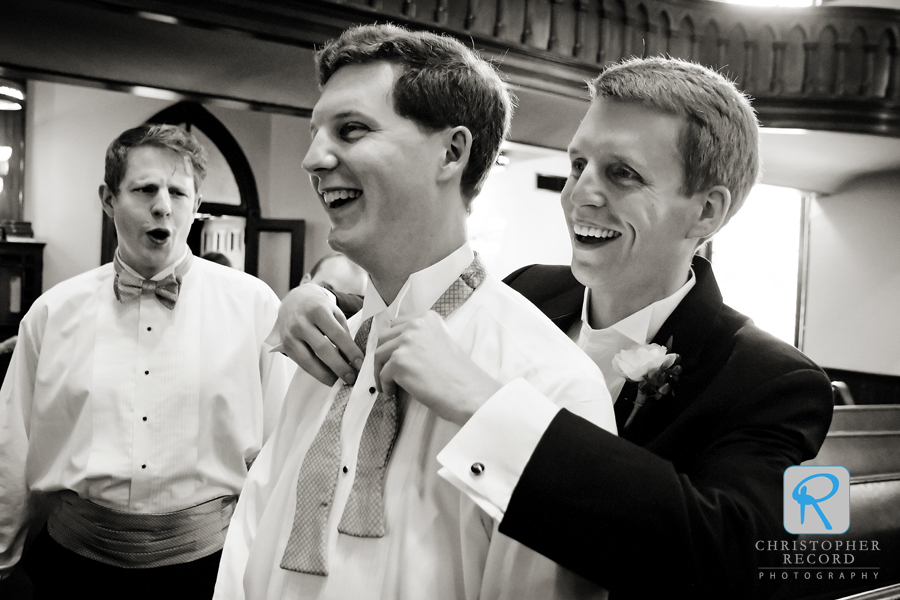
441	84
720	143
168	137
217	257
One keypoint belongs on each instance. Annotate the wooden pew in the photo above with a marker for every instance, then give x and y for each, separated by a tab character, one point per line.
865	440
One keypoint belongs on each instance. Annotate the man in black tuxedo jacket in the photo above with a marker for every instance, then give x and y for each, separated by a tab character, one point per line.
677	504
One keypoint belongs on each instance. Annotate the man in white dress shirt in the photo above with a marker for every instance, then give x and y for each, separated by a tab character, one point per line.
403	136
137	396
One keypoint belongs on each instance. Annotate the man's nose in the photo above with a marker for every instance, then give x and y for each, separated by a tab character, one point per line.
587	190
320	156
162	204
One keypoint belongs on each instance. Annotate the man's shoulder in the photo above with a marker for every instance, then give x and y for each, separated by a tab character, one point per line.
78	288
69	298
722	335
509	338
541	280
516	320
771	353
236	281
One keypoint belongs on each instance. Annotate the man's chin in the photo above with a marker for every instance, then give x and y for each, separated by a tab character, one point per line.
588	273
349	246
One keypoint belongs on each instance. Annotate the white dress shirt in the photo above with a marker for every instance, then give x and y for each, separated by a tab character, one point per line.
134	406
525	413
438	544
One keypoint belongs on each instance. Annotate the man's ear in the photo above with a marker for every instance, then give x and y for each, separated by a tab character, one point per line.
306	278
457	147
106	200
712	212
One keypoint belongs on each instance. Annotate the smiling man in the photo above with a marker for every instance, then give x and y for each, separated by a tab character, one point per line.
666	154
345	500
137	396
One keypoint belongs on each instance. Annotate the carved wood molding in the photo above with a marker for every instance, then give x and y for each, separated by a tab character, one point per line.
826	67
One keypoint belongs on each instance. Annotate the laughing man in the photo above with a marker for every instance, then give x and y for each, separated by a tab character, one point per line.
345	500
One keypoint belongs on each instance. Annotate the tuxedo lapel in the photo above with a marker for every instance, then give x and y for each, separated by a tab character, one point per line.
565	309
553	289
692	327
624	405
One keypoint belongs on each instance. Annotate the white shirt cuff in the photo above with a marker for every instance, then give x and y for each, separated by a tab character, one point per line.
498	441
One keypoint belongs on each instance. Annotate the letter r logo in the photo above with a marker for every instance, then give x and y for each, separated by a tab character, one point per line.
816	499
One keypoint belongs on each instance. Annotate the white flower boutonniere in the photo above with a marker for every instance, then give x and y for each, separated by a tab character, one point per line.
653	367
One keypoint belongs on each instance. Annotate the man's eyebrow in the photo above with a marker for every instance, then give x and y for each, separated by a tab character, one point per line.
347	114
631	160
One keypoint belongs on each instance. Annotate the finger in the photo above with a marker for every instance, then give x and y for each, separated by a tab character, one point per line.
303	355
338	334
339	316
400	321
327	354
386	379
399	326
395	331
382	357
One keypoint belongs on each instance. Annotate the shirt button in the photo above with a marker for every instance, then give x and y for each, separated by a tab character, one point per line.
149	329
477	468
372	390
143	466
345	469
145	418
146	372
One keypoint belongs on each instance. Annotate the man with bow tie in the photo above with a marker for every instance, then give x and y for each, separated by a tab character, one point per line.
345	500
137	396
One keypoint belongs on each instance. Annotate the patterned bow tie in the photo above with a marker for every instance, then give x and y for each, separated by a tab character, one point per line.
307	547
129	287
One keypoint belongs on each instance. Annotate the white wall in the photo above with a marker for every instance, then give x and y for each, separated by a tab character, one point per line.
513	223
854	277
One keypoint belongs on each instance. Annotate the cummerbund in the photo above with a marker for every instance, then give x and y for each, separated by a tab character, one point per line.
139	541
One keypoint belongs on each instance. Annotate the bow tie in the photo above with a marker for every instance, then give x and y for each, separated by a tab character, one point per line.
129	287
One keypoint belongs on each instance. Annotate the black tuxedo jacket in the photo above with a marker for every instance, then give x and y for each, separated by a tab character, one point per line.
674	506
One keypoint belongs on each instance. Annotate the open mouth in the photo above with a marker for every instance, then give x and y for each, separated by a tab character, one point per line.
594	235
159	235
337	198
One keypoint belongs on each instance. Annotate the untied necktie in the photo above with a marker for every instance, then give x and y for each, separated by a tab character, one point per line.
307	546
130	287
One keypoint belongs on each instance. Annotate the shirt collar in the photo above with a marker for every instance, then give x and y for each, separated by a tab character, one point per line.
642	326
422	289
162	274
